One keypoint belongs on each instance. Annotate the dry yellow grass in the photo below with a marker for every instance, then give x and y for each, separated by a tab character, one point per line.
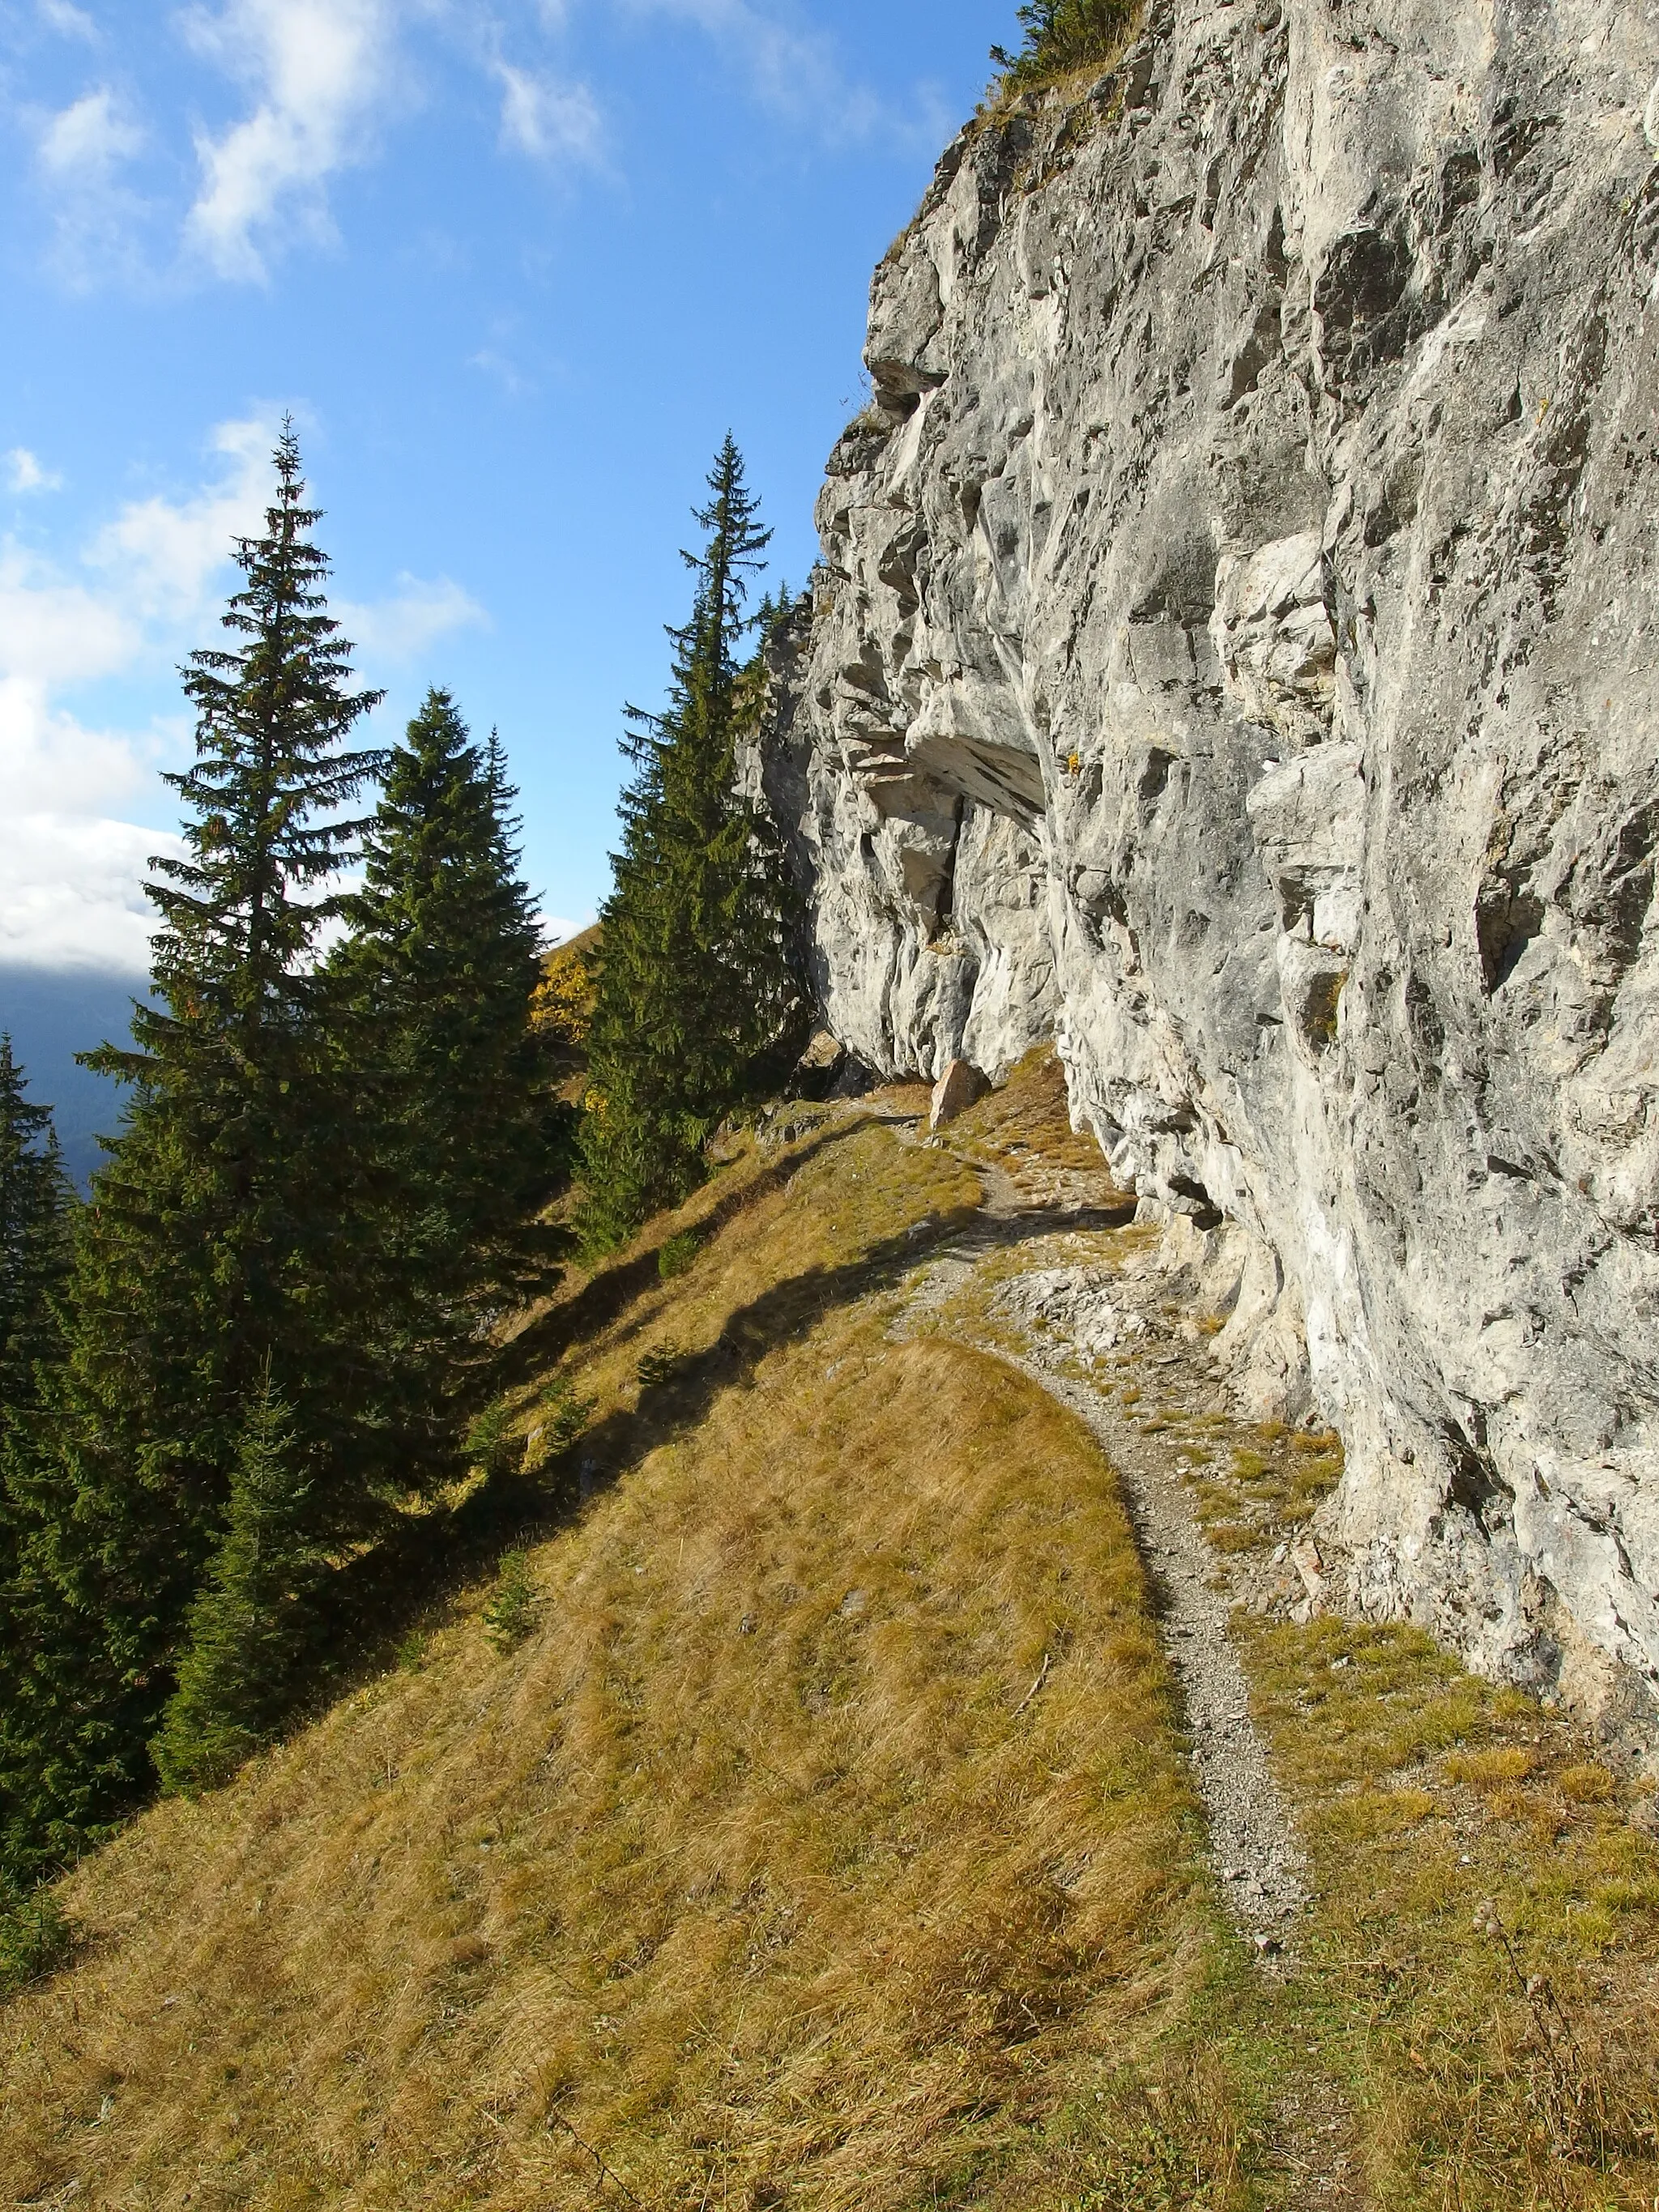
1437	1807
827	1841
1028	1120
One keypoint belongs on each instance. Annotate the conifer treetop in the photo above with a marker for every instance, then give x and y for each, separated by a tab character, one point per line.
705	648
34	1202
265	798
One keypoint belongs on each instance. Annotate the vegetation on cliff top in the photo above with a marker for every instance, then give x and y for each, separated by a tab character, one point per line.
700	999
1065	36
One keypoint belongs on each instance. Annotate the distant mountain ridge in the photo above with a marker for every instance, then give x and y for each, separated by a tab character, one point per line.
52	1014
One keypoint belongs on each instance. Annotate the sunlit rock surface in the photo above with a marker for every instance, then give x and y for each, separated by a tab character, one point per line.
1234	652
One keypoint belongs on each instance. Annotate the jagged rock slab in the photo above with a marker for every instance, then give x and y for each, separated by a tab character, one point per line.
1235	652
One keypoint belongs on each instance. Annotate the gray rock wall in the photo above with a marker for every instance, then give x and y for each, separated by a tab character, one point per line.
1235	652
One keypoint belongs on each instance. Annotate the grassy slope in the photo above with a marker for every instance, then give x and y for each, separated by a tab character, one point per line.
758	1874
754	1864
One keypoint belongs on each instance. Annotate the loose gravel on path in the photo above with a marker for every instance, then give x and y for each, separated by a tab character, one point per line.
1253	1841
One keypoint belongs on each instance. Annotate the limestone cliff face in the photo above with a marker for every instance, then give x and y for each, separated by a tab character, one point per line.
1235	653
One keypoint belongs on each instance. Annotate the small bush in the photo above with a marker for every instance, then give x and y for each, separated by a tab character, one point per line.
661	1365
1062	36
678	1255
1492	1770
511	1615
490	1442
567	1415
1587	1785
35	1937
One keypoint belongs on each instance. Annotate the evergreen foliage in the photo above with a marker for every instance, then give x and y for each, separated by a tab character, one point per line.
36	1209
36	1205
212	1247
1063	35
248	1625
511	1613
434	990
36	1936
698	989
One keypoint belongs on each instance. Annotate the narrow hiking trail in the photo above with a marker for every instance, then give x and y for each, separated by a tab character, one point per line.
1047	1265
1043	1312
836	1832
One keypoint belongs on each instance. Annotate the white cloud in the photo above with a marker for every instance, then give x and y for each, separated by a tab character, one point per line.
559	931
73	895
547	119
82	153
506	373
401	628
26	474
83	145
72	871
55	632
67	21
794	70
145	590
320	69
164	553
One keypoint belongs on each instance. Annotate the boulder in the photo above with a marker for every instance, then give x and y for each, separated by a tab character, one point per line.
961	1086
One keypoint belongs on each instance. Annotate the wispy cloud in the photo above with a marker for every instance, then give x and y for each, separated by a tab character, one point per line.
84	145
163	555
320	72
24	473
794	69
547	119
69	22
145	587
506	372
83	155
400	628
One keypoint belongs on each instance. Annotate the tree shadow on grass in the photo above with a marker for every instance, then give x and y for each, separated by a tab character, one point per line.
422	1565
613	1287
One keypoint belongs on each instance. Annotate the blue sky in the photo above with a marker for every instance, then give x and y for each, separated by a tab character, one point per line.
514	269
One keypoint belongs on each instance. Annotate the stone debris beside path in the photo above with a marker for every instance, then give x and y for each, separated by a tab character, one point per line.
1069	1318
1252	1841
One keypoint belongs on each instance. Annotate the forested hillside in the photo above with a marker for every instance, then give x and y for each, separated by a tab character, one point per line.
258	1363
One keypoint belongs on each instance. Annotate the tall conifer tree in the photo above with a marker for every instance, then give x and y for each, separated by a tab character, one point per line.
35	1208
434	986
35	1204
209	1254
696	983
252	1615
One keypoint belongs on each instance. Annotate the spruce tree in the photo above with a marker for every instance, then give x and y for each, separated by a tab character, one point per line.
434	987
696	983
210	1247
249	1621
36	1204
